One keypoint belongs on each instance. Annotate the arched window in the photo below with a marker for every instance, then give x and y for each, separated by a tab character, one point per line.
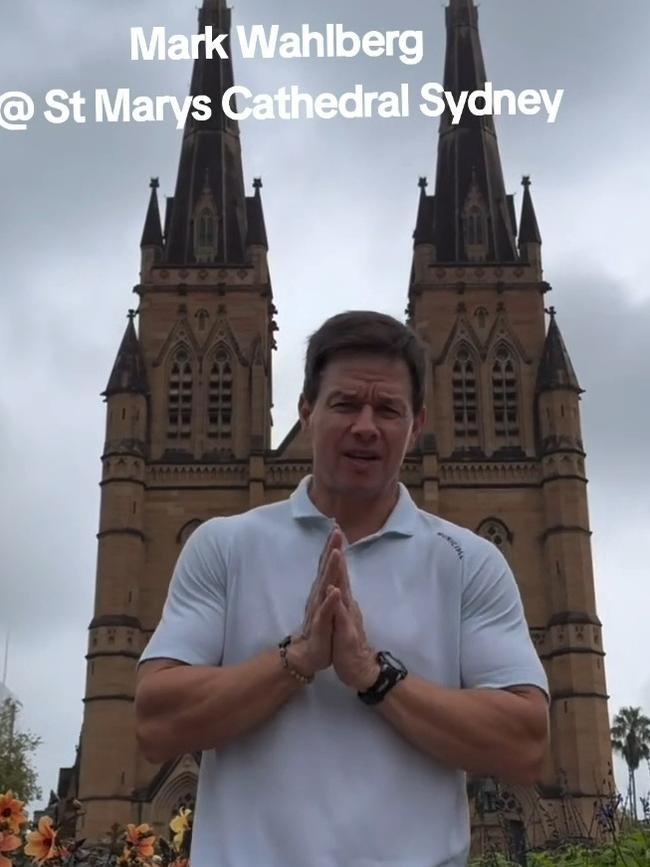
474	227
179	398
187	530
205	235
505	397
496	532
202	317
206	228
220	396
481	315
465	399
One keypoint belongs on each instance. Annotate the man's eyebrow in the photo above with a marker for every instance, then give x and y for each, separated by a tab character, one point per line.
392	398
340	392
354	394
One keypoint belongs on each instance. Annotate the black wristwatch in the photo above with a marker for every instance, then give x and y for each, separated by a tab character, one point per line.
391	672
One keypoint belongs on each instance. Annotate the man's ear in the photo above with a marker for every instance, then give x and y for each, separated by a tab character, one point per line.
304	411
418	427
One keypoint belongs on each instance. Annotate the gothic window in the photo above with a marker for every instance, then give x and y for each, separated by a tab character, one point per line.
474	227
179	398
504	397
187	530
202	317
205	235
475	233
465	399
220	396
475	223
206	228
497	533
481	316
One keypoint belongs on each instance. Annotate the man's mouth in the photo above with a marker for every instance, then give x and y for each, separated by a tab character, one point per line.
362	456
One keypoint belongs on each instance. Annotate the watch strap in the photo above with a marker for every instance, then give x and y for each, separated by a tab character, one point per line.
389	676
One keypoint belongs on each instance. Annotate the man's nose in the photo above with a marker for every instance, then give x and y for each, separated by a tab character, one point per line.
364	423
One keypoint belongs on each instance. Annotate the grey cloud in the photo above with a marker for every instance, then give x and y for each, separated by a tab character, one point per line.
340	200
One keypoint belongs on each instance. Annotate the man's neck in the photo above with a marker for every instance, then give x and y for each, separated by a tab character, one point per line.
358	517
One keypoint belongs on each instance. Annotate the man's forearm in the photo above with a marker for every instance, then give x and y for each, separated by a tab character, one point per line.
487	732
189	708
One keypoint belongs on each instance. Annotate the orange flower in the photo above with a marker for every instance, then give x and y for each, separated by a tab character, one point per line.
41	844
12	815
142	838
8	843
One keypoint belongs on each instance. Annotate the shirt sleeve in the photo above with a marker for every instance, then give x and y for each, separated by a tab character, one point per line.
496	650
191	628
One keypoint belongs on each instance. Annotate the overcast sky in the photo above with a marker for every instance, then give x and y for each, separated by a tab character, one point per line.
340	200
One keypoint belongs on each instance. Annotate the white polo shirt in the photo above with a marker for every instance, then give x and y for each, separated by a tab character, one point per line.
327	781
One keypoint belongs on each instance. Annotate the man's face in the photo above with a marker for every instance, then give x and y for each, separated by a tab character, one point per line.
361	424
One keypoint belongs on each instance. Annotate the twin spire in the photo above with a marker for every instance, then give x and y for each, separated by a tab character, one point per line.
210	170
468	166
469	175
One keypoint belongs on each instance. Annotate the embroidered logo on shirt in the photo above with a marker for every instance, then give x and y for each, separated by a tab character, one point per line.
454	544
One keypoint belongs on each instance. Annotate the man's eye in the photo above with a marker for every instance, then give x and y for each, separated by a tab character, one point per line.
344	405
390	411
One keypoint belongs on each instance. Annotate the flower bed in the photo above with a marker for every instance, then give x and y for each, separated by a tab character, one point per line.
132	846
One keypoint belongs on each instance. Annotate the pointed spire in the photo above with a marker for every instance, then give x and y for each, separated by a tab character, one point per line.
211	146
129	373
555	368
152	234
471	142
463	12
423	233
256	224
528	229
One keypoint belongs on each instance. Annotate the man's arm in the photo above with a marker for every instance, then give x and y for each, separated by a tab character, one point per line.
183	708
487	732
482	728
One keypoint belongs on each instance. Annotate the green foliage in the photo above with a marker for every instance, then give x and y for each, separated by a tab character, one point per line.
631	736
631	849
16	748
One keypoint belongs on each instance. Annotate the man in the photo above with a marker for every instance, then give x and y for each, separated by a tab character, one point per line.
345	743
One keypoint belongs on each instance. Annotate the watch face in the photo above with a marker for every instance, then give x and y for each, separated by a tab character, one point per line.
395	663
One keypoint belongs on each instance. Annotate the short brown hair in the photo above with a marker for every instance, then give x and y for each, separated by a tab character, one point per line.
365	331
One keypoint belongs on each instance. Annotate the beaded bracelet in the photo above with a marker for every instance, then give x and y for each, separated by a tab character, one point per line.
301	678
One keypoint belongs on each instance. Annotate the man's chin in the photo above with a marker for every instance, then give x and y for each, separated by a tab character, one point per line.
362	487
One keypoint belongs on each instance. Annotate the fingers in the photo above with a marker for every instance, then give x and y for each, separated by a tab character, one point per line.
325	551
334	543
317	591
324	616
336	572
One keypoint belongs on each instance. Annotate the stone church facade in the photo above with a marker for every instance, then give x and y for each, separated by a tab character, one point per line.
188	436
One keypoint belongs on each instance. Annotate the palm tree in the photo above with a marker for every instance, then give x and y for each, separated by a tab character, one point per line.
631	738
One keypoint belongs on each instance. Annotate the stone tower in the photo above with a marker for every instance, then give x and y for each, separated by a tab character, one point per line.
503	451
188	422
188	437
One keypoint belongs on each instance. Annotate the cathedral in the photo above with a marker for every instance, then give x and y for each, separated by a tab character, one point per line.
188	436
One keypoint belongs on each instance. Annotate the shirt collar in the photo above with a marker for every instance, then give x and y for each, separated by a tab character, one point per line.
400	522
